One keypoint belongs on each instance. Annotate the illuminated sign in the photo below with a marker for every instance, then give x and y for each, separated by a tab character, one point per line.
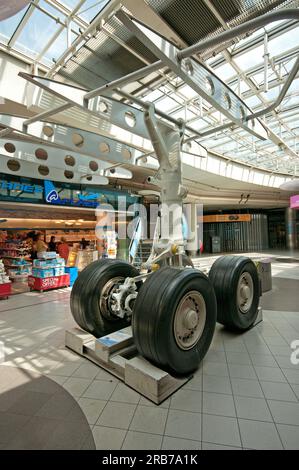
294	202
52	197
226	218
48	193
24	188
88	197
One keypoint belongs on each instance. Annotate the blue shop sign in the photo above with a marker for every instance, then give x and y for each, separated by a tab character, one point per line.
25	188
52	197
46	192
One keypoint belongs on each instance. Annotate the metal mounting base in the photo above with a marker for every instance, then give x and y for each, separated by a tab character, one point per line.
117	354
259	317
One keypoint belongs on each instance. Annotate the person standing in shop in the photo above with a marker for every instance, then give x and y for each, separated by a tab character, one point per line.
84	243
40	245
52	244
63	249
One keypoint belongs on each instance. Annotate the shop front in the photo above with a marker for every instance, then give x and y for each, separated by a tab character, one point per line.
235	233
66	219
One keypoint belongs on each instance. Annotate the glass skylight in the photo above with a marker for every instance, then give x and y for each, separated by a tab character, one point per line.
91	8
8	26
41	33
41	23
36	33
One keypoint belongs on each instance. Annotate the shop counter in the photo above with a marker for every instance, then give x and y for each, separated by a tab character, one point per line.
47	283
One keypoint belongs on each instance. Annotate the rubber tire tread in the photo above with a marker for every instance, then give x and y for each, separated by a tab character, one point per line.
153	317
86	291
224	276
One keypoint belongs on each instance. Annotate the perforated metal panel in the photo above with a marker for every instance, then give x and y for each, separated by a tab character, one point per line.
193	20
102	59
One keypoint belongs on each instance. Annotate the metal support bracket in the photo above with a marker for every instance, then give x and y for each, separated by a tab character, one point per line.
167	143
198	77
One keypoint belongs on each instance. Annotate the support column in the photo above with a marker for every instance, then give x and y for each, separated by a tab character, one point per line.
190	211
290	222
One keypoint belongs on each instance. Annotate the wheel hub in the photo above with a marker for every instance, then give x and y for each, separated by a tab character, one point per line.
189	320
106	298
245	291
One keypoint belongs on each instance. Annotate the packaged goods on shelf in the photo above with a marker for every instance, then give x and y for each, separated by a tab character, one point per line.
59	271
4	279
19	271
3	235
44	268
15	255
39	272
14	252
44	263
19	262
47	254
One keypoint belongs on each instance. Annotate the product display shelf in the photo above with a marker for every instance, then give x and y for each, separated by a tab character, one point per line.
18	256
5	283
19	251
47	267
18	270
17	265
48	273
14	249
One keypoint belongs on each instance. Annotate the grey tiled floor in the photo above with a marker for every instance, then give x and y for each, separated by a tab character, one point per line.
244	395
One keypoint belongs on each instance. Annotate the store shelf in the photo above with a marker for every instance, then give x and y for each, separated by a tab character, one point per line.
9	251
14	249
20	276
49	267
17	245
17	266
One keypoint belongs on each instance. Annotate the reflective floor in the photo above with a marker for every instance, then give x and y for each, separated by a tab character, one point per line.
245	395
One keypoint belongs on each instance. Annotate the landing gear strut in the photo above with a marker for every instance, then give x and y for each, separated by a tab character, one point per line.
173	307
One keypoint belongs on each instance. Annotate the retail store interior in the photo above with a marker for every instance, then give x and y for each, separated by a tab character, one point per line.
149	225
